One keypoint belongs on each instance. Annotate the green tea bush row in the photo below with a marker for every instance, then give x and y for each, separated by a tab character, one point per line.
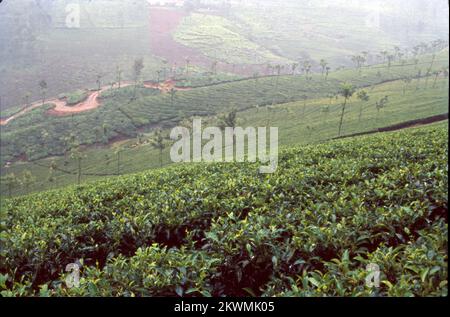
309	229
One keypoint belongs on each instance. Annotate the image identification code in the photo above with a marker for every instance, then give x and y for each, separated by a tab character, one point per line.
225	307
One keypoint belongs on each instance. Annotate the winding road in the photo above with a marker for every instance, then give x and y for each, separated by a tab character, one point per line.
92	101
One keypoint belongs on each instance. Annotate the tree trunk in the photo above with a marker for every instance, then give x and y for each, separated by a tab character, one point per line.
342	116
118	163
79	170
435	79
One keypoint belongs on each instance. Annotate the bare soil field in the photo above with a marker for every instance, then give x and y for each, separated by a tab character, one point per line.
163	22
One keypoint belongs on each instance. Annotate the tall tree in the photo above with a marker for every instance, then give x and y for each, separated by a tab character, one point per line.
228	119
138	66
363	97
27	180
406	82
165	63
381	104
118	153
278	68
384	55
11	182
119	75
390	59
304	98
419	76
293	68
326	111
327	72
359	61
158	73
445	74
27	99
98	81
214	67
159	142
188	62
255	78
397	52
436	75
78	156
43	85
172	93
323	64
105	133
347	90
306	68
52	169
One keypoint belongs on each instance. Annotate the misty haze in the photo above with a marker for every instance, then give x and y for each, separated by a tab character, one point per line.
92	93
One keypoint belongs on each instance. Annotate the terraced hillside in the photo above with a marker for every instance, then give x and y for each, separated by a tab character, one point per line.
127	112
224	229
115	134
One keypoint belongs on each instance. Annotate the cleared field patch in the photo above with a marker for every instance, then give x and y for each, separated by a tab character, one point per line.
220	39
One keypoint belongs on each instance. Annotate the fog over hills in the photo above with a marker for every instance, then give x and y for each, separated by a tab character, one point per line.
34	35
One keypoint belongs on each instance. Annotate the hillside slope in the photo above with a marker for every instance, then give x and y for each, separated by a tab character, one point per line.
125	116
299	122
224	229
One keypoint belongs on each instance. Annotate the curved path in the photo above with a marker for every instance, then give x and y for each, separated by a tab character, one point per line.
62	109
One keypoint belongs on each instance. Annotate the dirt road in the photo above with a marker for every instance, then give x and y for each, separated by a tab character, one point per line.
92	102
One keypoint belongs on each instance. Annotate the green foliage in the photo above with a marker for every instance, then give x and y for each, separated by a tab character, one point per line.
76	97
292	119
220	38
224	229
148	108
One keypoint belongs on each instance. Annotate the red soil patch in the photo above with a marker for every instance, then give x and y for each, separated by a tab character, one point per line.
62	109
163	22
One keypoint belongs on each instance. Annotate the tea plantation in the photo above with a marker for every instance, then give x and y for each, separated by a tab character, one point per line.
225	230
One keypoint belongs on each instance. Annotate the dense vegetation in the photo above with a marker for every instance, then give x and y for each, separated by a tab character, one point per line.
125	113
224	229
301	122
221	39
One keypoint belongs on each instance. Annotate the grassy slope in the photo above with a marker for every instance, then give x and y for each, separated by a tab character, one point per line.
21	136
219	38
310	229
294	128
279	30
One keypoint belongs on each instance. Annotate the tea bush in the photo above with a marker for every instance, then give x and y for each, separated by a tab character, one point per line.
310	229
